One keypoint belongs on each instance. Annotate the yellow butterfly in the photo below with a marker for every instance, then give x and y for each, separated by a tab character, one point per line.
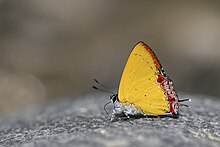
144	87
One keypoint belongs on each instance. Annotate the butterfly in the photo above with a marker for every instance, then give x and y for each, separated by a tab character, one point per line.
144	87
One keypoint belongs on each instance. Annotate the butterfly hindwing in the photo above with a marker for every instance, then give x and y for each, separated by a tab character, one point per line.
138	84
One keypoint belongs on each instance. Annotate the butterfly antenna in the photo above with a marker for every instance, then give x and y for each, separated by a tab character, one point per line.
103	90
107	88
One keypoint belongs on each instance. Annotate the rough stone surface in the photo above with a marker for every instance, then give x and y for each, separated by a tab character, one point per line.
83	123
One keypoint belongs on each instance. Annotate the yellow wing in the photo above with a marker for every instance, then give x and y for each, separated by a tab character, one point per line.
138	82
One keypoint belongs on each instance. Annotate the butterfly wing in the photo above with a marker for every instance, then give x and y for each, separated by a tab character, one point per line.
138	84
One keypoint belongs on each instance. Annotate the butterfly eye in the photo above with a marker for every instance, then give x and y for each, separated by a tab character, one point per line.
113	98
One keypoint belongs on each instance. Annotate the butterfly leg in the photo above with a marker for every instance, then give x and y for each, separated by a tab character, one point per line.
116	112
128	117
113	116
126	114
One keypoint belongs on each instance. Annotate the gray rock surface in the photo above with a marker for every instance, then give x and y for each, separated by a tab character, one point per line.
82	122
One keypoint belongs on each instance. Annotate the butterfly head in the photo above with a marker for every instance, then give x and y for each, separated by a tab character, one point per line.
114	98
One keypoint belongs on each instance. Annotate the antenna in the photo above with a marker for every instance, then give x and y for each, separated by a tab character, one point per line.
103	90
101	84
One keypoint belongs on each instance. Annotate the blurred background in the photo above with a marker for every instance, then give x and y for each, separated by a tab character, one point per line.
52	49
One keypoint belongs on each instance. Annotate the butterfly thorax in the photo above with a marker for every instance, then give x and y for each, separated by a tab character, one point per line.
124	110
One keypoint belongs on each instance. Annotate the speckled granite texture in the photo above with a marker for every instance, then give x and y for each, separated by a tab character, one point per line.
82	122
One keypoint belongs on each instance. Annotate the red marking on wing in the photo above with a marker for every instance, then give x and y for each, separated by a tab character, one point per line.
160	78
167	87
171	108
165	83
156	61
